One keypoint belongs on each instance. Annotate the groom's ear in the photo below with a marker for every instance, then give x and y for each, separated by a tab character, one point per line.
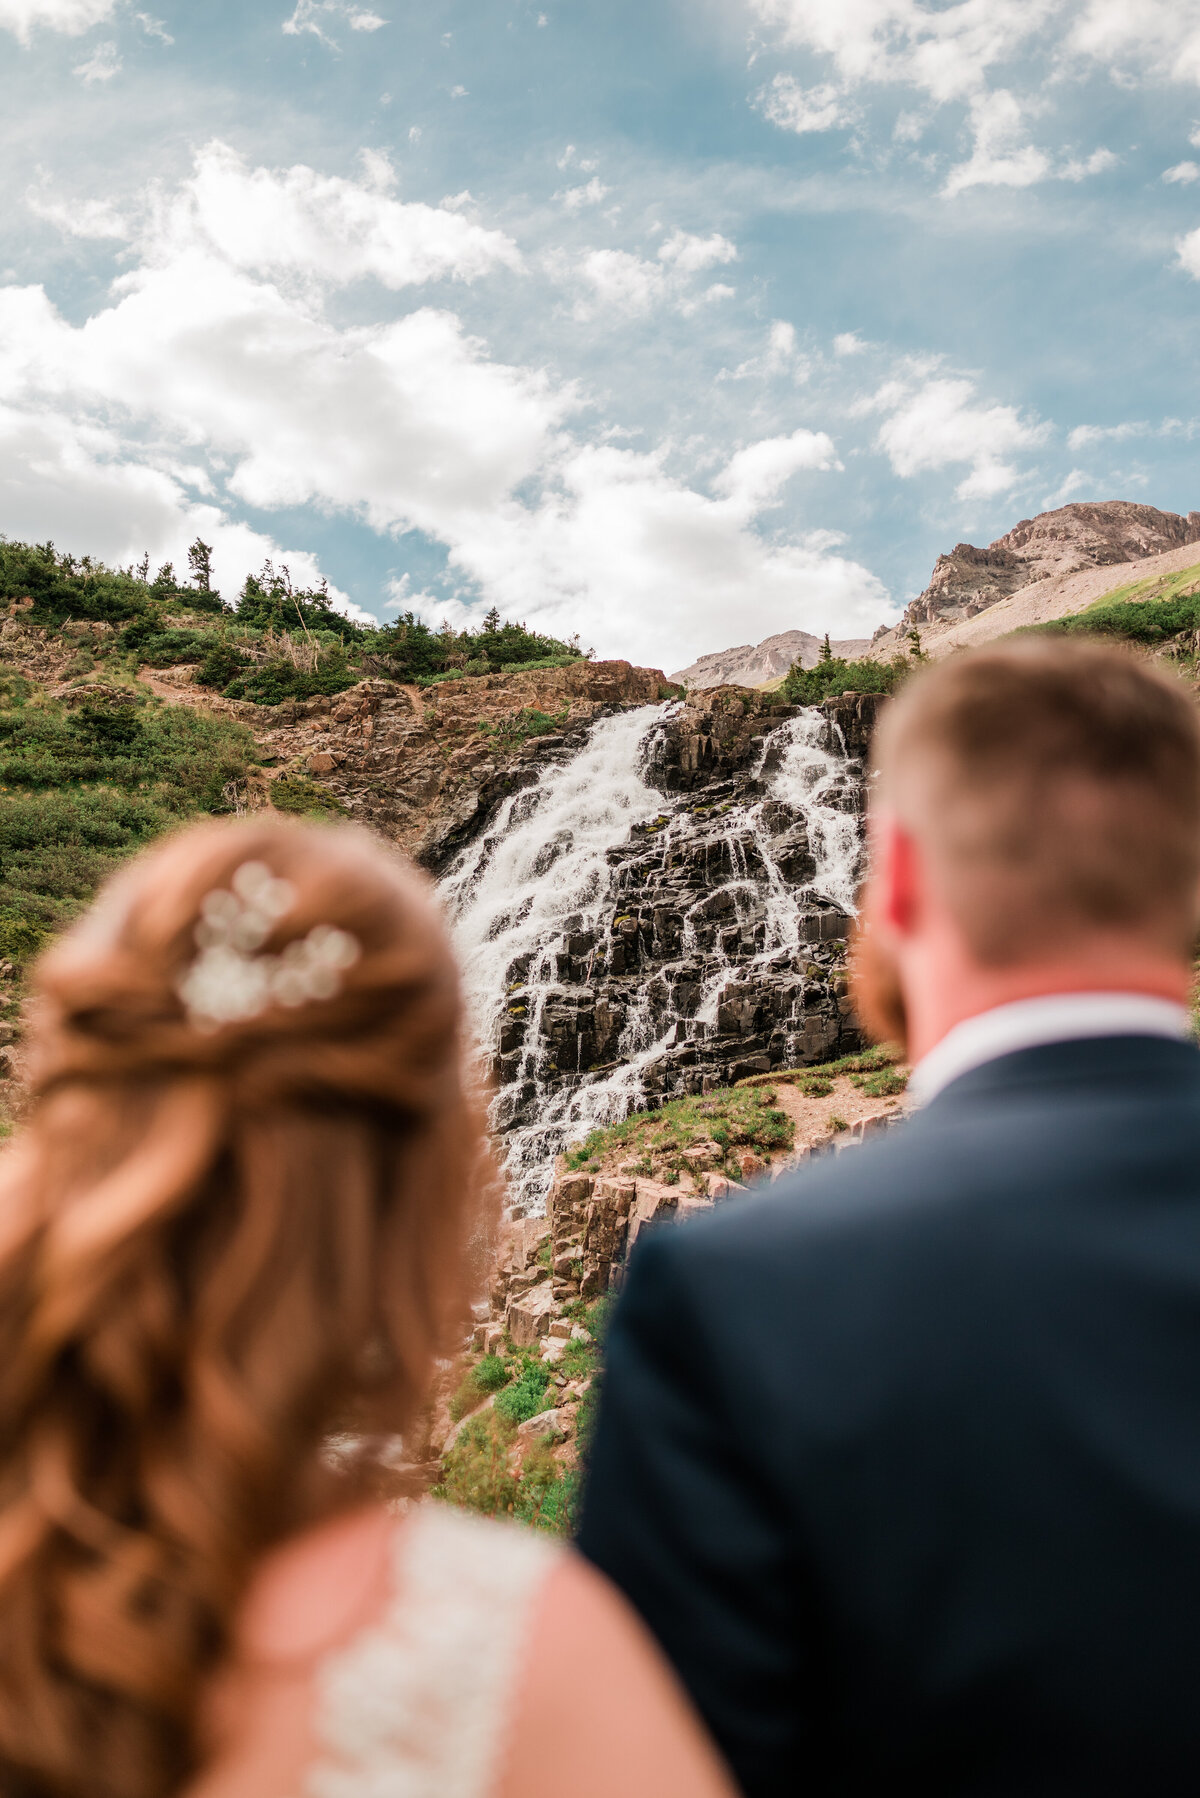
895	875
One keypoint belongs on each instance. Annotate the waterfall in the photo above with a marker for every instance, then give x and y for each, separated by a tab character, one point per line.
536	905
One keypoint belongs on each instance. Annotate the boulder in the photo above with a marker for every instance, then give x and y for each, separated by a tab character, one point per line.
529	1315
547	1423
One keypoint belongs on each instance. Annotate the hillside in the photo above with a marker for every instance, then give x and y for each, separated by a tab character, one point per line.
751	665
128	705
1044	568
1057	598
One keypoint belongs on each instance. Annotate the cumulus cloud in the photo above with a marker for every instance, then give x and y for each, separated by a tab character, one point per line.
647	566
934	421
621	284
848	343
591	194
753	478
1183	173
690	254
213	381
950	54
1189	254
71	17
297	222
785	102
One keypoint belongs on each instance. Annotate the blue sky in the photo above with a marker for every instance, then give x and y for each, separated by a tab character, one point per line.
673	324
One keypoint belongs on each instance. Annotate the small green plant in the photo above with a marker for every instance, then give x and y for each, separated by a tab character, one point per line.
302	797
837	1124
525	1395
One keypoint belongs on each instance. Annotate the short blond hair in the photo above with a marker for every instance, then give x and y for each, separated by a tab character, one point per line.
1056	786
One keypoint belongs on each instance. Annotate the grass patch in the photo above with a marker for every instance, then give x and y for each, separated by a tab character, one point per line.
302	797
518	727
733	1117
865	1061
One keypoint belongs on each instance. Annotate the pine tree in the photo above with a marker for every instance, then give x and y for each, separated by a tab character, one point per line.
826	654
492	621
200	563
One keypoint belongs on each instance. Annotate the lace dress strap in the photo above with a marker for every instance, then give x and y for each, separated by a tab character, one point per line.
417	1705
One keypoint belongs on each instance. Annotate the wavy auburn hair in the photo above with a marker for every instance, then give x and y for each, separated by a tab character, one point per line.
214	1249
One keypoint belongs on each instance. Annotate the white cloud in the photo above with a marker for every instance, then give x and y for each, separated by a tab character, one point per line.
848	343
71	17
1085	436
1078	169
301	223
936	421
314	17
1160	37
213	380
621	284
574	198
690	254
101	65
781	356
1000	158
754	476
1074	483
1183	173
647	567
800	109
154	27
972	54
1189	253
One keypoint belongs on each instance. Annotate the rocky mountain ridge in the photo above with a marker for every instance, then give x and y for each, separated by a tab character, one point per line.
750	664
1061	542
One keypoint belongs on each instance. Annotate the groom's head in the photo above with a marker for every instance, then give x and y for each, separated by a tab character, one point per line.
1035	828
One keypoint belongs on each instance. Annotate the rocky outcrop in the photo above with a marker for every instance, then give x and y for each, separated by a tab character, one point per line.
750	665
969	580
427	766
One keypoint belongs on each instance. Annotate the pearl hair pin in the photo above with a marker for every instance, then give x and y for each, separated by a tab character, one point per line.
230	981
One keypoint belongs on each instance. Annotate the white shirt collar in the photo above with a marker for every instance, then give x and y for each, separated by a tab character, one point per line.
1028	1023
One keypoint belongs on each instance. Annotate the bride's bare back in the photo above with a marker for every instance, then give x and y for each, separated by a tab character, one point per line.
440	1656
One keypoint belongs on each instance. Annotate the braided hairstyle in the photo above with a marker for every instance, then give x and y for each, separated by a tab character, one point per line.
216	1245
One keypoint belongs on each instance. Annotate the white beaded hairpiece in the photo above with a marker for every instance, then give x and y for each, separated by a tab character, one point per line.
229	981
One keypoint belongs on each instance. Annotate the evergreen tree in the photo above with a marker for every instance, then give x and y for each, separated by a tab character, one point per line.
200	563
826	654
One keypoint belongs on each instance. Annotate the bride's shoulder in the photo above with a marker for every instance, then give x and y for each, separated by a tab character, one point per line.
316	1590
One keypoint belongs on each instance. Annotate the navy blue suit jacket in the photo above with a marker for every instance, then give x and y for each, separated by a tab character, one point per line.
901	1459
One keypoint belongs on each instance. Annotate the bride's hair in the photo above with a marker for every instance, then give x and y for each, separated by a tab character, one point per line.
219	1241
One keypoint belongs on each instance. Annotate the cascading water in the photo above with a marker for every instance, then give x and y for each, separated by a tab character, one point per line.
621	944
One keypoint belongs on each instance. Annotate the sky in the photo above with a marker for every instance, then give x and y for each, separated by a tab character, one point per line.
671	324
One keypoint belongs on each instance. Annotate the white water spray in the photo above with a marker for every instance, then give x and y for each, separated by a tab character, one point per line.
550	864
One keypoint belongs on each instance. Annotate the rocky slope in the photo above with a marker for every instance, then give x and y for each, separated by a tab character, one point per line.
750	665
426	766
1057	596
1108	534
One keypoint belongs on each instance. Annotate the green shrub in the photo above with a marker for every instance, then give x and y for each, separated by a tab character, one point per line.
270	683
526	1395
222	663
476	1474
809	686
302	797
83	789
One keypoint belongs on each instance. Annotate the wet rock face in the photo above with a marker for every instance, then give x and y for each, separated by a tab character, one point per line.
703	948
